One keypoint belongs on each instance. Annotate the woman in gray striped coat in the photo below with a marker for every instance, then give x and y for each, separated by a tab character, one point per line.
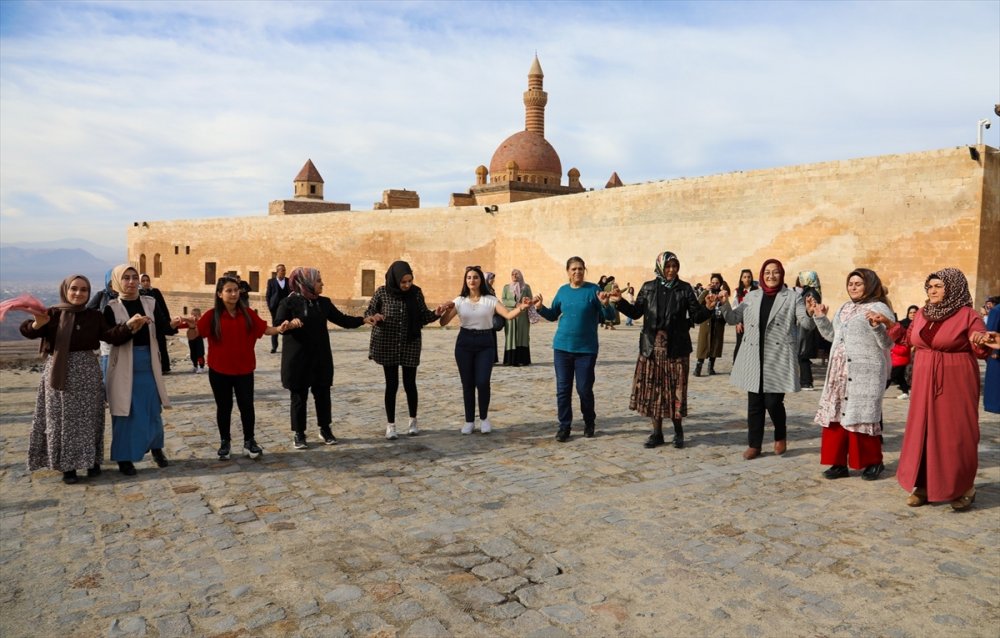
767	365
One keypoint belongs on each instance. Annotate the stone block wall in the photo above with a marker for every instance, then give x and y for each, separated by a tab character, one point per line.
902	215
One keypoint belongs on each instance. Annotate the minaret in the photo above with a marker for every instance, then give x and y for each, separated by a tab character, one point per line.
534	100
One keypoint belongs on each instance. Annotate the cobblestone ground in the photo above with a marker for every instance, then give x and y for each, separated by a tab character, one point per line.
510	534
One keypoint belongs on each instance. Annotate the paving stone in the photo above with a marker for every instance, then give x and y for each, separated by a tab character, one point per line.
426	628
468	561
407	610
483	596
492	571
174	625
129	626
343	594
565	614
498	547
118	609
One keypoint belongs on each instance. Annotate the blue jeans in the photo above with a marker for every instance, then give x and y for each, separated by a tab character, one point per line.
581	365
474	354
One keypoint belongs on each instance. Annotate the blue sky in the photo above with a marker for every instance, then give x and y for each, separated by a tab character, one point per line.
112	112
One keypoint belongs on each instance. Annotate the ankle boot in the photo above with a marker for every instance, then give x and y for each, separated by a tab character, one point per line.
711	366
678	436
697	367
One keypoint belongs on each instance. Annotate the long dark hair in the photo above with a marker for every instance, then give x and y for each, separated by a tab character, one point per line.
740	289
220	307
484	288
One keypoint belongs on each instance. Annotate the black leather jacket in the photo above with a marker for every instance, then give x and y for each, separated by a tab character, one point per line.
682	310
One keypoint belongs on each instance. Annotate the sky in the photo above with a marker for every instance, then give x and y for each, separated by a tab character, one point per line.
115	112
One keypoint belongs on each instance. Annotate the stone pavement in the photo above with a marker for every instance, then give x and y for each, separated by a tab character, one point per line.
510	534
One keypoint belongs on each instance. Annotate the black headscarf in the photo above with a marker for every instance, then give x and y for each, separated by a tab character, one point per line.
395	274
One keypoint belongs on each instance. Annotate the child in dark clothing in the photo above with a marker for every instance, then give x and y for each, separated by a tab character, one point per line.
197	346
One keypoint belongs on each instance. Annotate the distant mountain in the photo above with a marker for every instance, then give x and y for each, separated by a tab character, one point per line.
101	251
30	267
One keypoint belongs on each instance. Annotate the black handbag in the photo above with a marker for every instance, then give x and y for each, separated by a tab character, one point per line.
498	323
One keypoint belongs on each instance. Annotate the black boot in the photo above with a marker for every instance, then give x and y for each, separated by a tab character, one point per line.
70	478
126	467
678	435
711	366
159	457
94	471
655	440
697	367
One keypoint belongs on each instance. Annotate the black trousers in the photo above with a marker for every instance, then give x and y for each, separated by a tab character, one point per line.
757	403
392	387
898	376
224	386
300	398
274	338
474	354
805	372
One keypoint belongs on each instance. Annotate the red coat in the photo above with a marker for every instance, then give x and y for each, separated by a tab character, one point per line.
900	354
942	427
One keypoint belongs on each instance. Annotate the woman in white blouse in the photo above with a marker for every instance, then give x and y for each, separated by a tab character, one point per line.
476	344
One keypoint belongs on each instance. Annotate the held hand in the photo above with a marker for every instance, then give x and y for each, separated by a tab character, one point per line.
876	318
528	301
137	321
711	300
293	324
616	295
178	322
819	309
739	328
603	297
374	319
537	301
40	320
720	298
986	339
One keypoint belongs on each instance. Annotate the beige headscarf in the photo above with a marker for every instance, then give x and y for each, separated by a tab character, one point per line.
116	280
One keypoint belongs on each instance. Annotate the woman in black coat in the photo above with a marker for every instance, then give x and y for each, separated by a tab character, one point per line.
306	360
668	308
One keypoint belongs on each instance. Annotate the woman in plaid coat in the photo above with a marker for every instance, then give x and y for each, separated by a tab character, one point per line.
395	341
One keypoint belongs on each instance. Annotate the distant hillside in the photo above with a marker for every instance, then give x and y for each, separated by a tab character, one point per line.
29	267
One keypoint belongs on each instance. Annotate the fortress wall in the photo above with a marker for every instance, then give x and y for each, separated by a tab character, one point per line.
902	215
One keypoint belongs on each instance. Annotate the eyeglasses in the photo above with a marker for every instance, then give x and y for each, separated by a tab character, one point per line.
468	268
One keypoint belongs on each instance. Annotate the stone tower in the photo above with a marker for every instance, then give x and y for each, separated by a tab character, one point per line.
535	100
309	183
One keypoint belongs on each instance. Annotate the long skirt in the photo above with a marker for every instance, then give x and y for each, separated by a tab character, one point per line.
142	430
67	432
517	349
659	387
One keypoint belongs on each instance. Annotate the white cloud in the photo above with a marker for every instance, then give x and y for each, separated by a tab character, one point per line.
112	112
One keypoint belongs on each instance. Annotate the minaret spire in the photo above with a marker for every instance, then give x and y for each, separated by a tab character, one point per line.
535	100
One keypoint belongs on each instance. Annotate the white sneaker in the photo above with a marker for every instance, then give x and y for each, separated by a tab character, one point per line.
195	370
390	432
413	430
903	396
468	427
485	426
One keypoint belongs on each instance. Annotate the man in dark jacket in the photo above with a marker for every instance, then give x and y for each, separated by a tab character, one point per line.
277	289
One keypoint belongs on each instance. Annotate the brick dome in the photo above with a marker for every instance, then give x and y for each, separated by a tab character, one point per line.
530	150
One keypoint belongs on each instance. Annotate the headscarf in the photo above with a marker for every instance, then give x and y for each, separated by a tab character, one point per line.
142	289
956	294
515	287
809	279
303	281
393	276
109	291
487	278
64	332
874	290
770	292
661	267
116	280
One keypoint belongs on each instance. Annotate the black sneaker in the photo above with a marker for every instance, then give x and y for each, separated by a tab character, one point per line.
562	435
126	467
70	478
300	441
225	449
588	430
654	440
836	472
327	435
251	449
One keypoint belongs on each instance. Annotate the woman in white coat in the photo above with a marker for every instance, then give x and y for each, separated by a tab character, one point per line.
767	365
850	409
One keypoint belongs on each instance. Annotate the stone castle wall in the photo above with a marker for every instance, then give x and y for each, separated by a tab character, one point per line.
902	215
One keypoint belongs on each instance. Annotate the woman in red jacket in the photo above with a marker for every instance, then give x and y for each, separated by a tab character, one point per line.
232	330
901	357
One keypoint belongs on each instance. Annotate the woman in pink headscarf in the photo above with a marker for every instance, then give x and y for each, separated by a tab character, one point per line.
517	350
939	458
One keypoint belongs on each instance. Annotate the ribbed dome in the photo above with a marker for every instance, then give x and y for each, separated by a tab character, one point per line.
531	152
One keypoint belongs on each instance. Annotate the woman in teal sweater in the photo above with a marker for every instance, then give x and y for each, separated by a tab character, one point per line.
580	307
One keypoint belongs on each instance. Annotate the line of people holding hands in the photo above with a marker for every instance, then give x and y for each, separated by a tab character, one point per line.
938	461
